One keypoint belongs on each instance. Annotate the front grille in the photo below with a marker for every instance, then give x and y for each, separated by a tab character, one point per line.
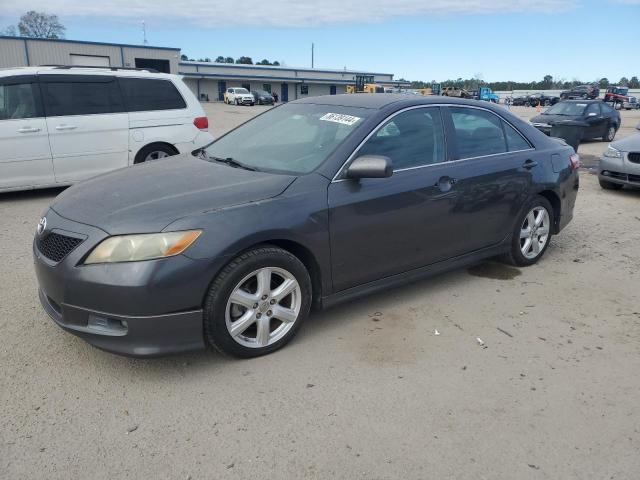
56	246
634	157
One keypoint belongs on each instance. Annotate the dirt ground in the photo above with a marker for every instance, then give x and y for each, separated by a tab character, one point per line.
367	390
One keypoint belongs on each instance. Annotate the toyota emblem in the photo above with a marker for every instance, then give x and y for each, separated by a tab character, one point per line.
42	225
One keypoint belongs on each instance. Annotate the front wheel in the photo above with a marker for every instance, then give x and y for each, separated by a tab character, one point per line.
257	302
531	234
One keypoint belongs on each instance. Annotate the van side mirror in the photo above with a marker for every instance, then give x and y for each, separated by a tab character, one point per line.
370	166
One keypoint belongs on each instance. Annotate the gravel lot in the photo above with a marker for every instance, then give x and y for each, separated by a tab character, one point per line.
366	390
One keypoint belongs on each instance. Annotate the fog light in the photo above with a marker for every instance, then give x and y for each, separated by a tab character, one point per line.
107	326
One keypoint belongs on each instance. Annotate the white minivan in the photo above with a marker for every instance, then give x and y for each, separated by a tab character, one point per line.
61	125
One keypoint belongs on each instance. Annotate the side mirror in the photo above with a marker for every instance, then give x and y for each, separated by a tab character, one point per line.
370	166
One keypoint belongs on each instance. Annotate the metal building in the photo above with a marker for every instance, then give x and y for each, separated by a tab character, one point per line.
24	52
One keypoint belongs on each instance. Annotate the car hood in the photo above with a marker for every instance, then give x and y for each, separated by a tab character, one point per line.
148	197
628	144
551	119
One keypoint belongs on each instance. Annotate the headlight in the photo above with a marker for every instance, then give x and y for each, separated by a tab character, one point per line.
133	248
612	152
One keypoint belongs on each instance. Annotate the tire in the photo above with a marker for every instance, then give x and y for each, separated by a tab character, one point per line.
610	134
155	151
584	96
609	185
527	104
515	256
241	276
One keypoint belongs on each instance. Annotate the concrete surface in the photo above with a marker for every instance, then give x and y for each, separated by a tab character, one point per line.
366	390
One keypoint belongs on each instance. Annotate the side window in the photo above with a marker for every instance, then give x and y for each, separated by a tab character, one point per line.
74	95
477	132
18	100
146	94
410	139
606	108
515	141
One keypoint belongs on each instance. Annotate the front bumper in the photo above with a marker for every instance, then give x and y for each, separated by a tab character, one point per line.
138	309
619	170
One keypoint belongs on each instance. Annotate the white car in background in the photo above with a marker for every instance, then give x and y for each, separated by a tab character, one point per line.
61	125
239	96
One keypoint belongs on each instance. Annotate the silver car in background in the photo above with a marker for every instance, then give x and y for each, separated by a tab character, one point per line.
620	163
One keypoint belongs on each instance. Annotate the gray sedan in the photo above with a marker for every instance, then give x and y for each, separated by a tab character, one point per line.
620	163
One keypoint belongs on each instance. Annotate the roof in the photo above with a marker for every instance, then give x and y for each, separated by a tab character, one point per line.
380	100
281	67
81	70
62	40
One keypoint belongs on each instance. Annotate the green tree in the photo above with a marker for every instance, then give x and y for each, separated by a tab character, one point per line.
229	60
264	62
40	25
276	63
219	59
623	81
634	82
184	58
604	82
244	61
547	82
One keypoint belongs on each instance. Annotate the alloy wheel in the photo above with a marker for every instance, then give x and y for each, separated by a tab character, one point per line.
534	232
263	307
156	155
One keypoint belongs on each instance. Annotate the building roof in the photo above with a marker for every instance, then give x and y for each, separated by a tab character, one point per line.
281	67
61	40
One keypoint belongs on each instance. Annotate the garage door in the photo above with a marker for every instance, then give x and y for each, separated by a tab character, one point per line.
90	60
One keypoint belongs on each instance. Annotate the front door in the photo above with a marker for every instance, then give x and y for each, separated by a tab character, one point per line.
25	156
222	86
332	90
88	125
381	227
285	92
596	121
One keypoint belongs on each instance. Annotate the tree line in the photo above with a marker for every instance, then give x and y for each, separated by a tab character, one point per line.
240	60
547	83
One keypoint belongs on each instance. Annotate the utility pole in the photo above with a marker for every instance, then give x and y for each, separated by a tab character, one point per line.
312	46
144	33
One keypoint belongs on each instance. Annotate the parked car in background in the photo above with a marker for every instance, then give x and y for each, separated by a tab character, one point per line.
262	97
620	163
518	101
61	125
602	121
583	92
311	203
541	99
455	92
619	98
239	96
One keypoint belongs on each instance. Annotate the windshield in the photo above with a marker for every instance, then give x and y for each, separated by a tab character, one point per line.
293	138
242	90
622	91
567	108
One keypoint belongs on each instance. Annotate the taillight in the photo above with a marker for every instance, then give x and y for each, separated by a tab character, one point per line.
201	123
574	160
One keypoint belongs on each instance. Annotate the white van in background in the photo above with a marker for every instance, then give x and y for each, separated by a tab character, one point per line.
61	125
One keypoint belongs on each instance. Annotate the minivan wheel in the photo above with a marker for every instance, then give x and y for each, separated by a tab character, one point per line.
610	135
154	152
531	234
257	303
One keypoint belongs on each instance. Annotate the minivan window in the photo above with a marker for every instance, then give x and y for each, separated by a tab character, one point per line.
18	100
147	94
72	95
478	132
410	139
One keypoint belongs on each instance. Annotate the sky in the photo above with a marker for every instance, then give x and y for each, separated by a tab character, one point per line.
414	39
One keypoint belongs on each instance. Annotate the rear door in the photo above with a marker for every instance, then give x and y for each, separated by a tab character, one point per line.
88	125
25	156
491	175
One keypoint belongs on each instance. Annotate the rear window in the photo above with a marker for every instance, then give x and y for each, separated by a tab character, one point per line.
76	95
143	94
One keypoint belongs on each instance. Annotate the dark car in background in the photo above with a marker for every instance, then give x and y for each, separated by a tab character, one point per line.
542	99
584	92
263	97
600	120
314	202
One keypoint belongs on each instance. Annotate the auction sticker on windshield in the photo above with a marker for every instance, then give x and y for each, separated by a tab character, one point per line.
340	118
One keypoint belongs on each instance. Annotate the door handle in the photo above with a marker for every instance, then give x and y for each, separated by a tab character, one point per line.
529	164
28	130
445	183
66	127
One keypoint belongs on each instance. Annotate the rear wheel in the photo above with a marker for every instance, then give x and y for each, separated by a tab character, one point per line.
531	234
154	152
610	134
257	302
609	185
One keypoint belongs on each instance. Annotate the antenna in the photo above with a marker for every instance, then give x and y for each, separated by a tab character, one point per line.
312	46
144	33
